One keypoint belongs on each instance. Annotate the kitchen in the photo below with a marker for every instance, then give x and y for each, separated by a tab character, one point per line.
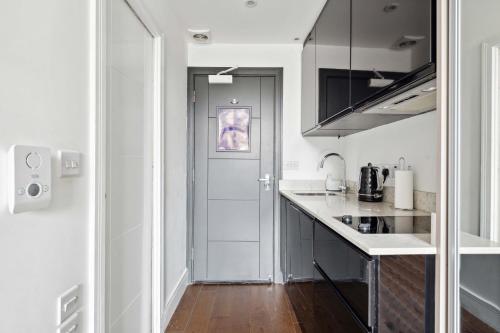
250	166
359	177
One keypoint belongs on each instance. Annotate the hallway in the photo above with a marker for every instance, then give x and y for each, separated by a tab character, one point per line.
234	308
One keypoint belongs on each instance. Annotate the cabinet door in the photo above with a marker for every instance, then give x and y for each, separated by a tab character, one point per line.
333	39
330	312
309	108
306	246
283	215
299	235
293	255
389	40
352	272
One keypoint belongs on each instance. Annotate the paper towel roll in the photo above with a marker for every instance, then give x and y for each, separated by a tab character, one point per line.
403	193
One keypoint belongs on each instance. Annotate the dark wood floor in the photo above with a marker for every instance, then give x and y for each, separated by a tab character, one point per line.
234	308
472	324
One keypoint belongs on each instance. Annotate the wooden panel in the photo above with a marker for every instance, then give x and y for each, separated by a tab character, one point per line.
402	295
246	90
472	324
267	167
233	261
233	179
233	220
201	179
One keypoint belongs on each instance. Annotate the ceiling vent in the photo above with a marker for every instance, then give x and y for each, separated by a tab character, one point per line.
200	36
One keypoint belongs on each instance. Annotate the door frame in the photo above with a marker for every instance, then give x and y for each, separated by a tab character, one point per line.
98	69
277	73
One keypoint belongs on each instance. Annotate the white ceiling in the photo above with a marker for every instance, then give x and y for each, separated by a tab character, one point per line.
230	21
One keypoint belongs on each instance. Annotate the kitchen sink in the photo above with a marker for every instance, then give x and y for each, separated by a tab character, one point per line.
313	194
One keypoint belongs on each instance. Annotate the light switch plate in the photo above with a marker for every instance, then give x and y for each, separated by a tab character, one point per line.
72	325
29	182
69	163
68	303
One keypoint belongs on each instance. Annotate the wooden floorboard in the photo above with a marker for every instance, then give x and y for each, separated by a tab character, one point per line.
472	324
234	308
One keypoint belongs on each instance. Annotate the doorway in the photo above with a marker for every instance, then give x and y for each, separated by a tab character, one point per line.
235	159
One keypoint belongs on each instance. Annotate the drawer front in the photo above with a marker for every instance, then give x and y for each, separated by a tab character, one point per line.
351	272
330	312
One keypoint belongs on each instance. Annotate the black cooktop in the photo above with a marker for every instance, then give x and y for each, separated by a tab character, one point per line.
388	224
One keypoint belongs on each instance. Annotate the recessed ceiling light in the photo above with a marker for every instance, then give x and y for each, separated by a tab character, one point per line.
391	7
251	3
201	36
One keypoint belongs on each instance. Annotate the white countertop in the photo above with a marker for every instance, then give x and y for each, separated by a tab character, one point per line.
472	244
325	208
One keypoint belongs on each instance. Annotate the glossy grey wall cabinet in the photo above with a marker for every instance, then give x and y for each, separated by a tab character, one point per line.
326	59
309	109
362	53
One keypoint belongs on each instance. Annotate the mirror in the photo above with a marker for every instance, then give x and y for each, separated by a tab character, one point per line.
478	187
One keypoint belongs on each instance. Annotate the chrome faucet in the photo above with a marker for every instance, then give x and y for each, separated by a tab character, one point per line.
343	187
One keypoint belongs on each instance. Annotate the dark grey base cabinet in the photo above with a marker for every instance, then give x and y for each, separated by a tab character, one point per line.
335	287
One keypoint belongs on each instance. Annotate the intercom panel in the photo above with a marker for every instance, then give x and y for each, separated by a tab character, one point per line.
29	179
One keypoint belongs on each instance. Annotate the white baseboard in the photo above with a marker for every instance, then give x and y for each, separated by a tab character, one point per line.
278	278
483	309
173	299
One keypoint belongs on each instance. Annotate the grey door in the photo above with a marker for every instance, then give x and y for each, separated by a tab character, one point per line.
233	210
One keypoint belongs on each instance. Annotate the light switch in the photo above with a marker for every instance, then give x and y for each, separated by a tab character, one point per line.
69	162
72	325
29	178
68	303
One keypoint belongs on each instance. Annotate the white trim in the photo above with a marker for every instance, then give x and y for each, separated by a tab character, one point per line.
97	244
174	299
157	272
480	307
490	141
98	92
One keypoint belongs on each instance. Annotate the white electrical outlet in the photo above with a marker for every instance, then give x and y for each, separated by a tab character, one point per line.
291	166
29	178
72	325
68	303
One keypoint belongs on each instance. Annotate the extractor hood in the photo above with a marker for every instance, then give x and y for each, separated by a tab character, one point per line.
417	100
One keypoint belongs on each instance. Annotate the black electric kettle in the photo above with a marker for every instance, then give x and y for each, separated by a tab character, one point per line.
371	183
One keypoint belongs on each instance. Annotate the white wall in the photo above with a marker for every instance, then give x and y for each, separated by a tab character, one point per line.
44	100
380	145
479	23
414	138
306	151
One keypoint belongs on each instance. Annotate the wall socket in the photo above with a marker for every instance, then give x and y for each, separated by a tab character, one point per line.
291	165
392	171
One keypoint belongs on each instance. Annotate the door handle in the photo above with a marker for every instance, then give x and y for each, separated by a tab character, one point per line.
267	181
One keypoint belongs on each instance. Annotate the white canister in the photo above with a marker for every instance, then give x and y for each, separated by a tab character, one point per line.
403	192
